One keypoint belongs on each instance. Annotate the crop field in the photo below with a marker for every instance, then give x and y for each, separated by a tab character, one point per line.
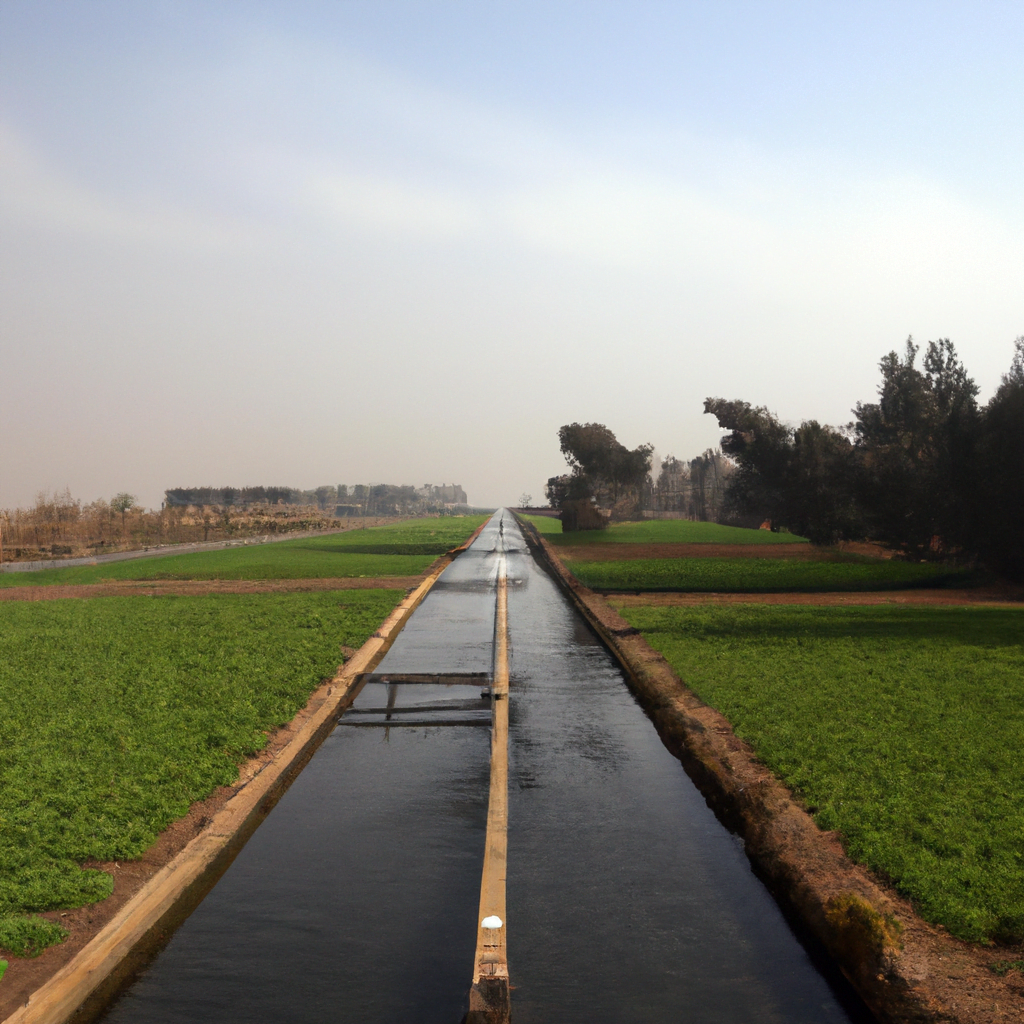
899	727
431	536
670	531
763	575
118	713
546	525
403	549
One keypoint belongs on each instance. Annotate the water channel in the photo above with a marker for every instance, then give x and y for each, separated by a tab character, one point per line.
356	900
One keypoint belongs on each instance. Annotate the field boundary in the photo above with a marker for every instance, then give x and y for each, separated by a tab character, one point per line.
903	968
83	987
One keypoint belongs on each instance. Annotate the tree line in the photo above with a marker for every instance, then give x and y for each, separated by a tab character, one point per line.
59	525
926	469
607	480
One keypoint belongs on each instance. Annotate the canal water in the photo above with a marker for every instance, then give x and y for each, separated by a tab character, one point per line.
356	900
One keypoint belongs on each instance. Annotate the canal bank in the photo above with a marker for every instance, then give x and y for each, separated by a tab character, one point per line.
903	967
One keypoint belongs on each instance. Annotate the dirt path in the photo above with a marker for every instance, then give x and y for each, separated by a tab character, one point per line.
1011	597
181	588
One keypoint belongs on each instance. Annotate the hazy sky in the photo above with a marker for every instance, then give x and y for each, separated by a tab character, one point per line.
402	242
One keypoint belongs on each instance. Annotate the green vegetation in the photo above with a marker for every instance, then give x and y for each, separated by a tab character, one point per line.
675	531
426	536
1003	967
116	714
28	936
404	549
763	575
899	727
547	525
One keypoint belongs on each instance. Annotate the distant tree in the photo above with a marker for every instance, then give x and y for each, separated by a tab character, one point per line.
525	500
566	487
581	514
802	479
601	466
999	496
915	448
761	446
122	503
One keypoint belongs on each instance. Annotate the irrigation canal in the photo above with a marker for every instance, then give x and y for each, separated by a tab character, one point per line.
357	899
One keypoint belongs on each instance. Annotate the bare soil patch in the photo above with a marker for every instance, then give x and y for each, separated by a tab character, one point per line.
1001	595
182	588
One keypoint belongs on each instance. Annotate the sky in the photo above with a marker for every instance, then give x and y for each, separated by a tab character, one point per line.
306	243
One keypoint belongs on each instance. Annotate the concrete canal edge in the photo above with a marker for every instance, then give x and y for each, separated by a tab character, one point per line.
904	969
84	987
489	995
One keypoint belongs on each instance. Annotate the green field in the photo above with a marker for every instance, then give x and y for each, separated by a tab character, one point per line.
546	525
899	727
762	575
118	713
671	531
404	549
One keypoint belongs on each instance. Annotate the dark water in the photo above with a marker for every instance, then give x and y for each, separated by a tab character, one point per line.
356	900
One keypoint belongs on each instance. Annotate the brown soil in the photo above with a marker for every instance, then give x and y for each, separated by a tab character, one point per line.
130	588
904	968
24	976
1008	596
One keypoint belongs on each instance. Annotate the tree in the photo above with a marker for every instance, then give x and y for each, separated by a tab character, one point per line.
802	479
122	503
999	495
525	500
600	466
915	451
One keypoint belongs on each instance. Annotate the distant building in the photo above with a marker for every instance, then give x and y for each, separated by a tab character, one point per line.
445	494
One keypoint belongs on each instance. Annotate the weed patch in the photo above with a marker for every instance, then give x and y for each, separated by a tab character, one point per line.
899	727
29	936
1003	967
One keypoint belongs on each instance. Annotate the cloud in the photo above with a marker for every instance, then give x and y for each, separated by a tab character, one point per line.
796	227
35	193
391	205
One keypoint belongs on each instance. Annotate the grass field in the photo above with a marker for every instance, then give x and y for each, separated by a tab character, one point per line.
900	727
117	713
762	575
403	549
545	524
669	531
